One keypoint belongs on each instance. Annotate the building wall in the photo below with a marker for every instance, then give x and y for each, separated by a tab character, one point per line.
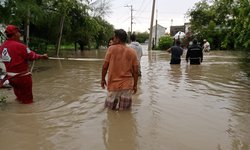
160	32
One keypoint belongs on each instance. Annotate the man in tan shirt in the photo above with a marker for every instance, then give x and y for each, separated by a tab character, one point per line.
121	64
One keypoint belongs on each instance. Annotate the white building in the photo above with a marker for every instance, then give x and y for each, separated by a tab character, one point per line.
161	31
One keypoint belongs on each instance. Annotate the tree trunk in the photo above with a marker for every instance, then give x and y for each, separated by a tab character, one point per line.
60	35
28	28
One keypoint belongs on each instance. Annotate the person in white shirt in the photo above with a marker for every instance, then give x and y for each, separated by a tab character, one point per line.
138	48
206	46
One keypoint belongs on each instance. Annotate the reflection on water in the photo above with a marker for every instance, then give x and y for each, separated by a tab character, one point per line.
120	131
177	107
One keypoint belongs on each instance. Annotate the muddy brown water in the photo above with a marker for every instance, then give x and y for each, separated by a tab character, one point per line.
177	107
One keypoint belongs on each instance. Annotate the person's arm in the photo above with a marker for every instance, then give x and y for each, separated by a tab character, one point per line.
28	54
135	67
104	73
169	50
135	76
201	55
187	55
181	51
33	56
105	67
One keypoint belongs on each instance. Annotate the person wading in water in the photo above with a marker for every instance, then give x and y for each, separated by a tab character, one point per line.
15	56
122	66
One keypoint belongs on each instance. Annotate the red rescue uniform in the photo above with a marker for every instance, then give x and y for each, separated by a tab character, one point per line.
15	56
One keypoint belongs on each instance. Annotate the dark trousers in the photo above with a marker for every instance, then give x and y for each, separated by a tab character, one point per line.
175	61
195	61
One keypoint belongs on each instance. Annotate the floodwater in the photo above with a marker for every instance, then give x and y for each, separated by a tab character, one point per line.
177	107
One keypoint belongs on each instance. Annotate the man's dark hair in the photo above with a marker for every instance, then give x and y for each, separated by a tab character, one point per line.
121	34
178	43
132	37
195	41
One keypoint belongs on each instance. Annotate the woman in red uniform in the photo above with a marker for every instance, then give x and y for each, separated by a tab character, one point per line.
15	56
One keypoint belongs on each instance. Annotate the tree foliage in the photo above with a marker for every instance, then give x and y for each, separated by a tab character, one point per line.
46	17
142	37
225	23
165	42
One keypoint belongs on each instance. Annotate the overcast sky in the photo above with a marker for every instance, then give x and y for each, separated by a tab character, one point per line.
166	10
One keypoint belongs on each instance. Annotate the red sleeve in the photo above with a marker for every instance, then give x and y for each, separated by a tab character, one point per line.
32	55
28	54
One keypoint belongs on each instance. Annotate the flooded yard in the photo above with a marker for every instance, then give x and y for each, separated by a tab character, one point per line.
177	107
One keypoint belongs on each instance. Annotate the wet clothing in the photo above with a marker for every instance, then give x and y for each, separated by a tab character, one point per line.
15	57
194	54
120	59
122	62
22	87
119	100
138	49
176	52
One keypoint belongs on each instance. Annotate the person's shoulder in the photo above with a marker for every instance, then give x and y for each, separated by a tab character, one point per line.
181	48
15	43
130	49
18	43
135	43
113	47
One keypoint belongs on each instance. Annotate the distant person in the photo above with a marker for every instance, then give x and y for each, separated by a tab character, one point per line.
122	66
15	56
206	46
194	53
176	53
138	48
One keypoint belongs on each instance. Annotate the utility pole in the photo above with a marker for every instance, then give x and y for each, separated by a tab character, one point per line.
151	27
156	28
131	17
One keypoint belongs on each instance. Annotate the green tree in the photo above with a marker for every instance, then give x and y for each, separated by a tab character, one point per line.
165	42
21	12
104	32
141	37
224	22
242	24
58	21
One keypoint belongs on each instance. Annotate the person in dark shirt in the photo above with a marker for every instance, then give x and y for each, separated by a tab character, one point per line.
176	52
194	53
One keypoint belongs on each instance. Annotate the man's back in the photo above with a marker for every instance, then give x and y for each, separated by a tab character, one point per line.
195	54
121	59
176	52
